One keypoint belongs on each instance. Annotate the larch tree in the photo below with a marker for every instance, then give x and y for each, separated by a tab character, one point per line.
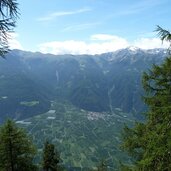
16	149
102	166
8	15
51	158
150	143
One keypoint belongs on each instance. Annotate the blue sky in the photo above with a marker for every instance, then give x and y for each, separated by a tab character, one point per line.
89	26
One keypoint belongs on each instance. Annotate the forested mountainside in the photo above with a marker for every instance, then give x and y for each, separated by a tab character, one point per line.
30	81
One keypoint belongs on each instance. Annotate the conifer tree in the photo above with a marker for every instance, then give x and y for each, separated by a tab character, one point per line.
51	158
16	149
150	142
8	15
102	166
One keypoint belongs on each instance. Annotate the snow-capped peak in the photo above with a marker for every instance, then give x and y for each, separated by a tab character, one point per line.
133	48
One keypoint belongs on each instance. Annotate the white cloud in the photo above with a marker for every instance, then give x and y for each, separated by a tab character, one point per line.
54	15
13	42
150	43
99	43
81	47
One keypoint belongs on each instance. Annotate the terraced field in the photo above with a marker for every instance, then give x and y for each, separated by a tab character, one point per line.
83	138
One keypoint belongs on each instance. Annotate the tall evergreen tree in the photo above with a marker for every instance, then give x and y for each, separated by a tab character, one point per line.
16	149
150	142
102	166
8	16
51	158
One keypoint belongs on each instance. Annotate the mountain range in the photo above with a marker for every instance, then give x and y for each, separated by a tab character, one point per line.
100	83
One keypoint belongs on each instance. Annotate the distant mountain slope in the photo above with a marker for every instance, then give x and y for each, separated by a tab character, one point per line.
29	81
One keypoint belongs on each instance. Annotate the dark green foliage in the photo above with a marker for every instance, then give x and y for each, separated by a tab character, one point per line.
164	34
19	91
150	143
126	168
51	158
102	166
16	149
8	16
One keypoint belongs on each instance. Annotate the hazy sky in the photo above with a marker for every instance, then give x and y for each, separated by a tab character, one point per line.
89	26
